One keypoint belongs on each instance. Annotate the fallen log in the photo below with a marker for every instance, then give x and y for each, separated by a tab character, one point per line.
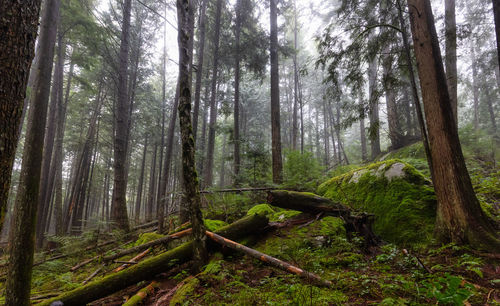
141	294
152	266
148	245
135	260
311	203
268	259
165	298
91	276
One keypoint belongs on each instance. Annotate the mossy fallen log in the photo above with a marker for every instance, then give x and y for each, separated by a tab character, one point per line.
152	266
312	203
148	245
141	294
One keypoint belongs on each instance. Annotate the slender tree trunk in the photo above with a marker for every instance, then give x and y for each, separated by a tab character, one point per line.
162	199
223	162
362	132
236	133
208	171
203	140
22	231
301	107
141	183
199	69
190	178
496	16
275	97
48	167
295	128
395	134
119	204
152	186
18	30
475	87
374	129
450	25
326	136
459	218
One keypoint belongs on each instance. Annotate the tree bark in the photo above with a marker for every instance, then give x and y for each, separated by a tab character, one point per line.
119	204
199	69
475	87
22	231
141	183
277	164
395	134
18	30
208	171
362	132
236	132
496	16
295	127
189	175
450	25
152	266
152	186
459	216
374	134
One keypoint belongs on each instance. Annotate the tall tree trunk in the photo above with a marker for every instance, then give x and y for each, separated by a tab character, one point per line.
203	140
119	204
362	132
450	25
162	187
236	132
395	134
208	171
152	186
223	162
275	97
326	134
18	30
414	90
141	183
496	16
48	168
190	178
22	231
199	69
374	134
459	216
295	128
475	87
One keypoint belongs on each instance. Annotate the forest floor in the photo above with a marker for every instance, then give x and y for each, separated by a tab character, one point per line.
390	274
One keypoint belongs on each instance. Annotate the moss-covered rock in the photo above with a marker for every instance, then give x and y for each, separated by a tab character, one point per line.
401	198
147	237
213	225
261	209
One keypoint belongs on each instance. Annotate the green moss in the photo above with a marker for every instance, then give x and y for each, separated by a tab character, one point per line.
213	225
399	195
185	292
261	209
147	237
283	215
332	226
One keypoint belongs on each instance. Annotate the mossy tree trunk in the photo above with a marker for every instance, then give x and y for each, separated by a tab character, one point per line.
22	231
459	216
190	177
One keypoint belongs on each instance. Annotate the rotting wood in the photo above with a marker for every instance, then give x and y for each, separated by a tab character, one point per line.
125	262
83	263
148	245
141	294
269	259
311	203
153	266
135	259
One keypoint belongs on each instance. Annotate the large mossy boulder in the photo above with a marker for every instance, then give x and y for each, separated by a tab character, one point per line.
400	197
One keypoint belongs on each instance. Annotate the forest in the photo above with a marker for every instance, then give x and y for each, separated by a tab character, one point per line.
249	152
